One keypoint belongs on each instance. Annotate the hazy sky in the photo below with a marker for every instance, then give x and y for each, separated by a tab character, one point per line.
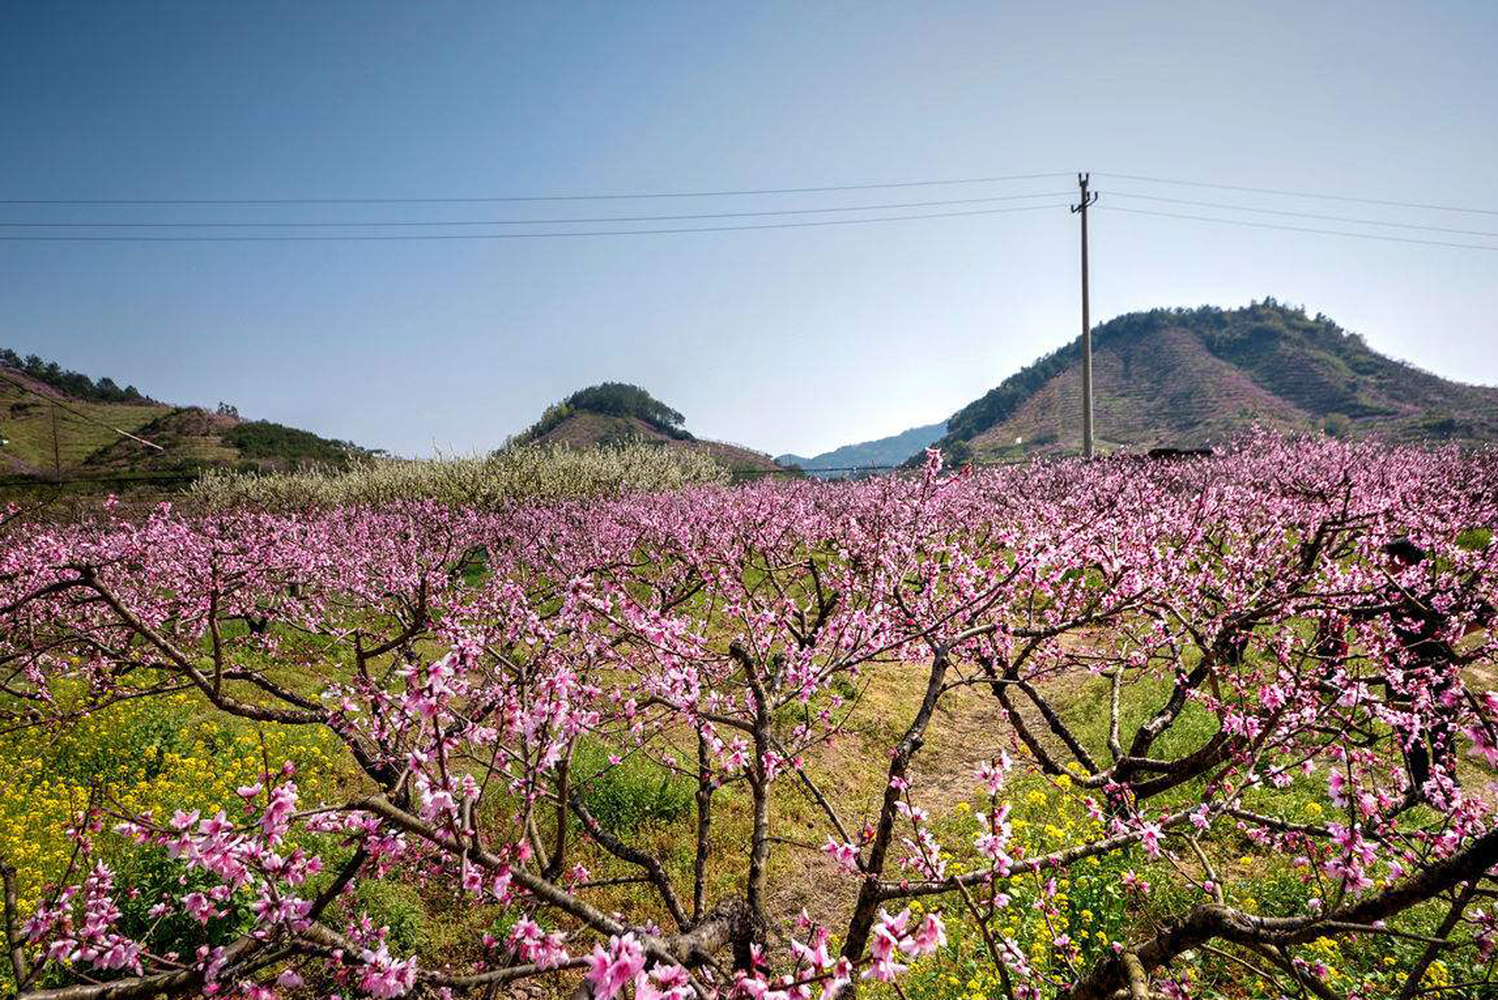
786	340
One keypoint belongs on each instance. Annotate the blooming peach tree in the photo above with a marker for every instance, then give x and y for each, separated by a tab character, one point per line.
1326	607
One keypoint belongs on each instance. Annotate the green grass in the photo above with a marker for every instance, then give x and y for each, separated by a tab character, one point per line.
629	794
653	807
27	422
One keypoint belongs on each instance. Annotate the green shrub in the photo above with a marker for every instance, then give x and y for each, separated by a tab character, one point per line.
136	748
633	793
1475	539
145	876
262	439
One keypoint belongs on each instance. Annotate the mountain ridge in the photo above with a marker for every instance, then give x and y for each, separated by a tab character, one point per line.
1189	377
880	452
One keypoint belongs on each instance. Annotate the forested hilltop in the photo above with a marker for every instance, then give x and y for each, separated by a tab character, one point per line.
617	413
75	384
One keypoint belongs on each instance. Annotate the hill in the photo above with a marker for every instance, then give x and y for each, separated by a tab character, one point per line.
75	384
616	412
886	451
43	429
193	439
57	421
1189	377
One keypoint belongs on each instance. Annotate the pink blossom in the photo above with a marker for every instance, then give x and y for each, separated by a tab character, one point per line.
1150	838
845	854
930	936
385	976
610	970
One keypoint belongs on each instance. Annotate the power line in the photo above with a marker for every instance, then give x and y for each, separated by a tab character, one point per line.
1300	229
1303	194
526	222
513	236
77	413
532	198
1303	215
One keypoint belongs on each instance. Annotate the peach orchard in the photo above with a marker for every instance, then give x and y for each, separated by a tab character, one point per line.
1326	606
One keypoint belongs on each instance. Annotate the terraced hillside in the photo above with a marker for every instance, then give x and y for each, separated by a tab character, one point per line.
34	414
1192	377
47	432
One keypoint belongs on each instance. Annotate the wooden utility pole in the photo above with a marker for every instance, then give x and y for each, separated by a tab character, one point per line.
56	447
1081	209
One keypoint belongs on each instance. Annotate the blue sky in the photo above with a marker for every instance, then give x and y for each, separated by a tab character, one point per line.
786	340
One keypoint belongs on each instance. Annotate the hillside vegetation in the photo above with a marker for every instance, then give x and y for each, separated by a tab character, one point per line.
1192	377
74	384
194	439
44	429
612	414
54	421
611	399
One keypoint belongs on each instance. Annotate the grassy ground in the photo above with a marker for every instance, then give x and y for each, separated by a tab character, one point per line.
181	754
27	423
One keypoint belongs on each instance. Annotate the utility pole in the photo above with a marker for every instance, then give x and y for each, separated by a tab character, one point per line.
1081	209
56	449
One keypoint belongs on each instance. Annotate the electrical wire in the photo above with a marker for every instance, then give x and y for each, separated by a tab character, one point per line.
1297	229
534	198
77	413
527	222
515	236
1302	215
1303	194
